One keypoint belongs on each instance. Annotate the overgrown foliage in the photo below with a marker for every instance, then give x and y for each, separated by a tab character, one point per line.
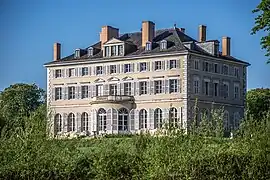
262	23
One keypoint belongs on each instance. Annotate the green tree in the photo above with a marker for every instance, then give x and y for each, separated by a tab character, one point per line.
258	102
262	22
18	101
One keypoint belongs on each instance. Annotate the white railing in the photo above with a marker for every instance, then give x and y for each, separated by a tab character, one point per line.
112	98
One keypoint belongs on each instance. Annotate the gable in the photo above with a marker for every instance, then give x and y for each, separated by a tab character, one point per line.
99	80
113	41
127	78
113	79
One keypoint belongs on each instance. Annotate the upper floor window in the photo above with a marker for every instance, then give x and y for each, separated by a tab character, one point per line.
236	91
148	46
205	66
127	88
71	92
112	69
58	73
77	53
85	71
113	89
58	93
120	50
216	68
172	64
163	45
196	64
158	87
90	52
113	51
127	68
71	72
173	85
107	51
143	66
225	69
158	65
236	72
84	92
226	90
196	86
206	88
99	90
216	89
143	87
99	70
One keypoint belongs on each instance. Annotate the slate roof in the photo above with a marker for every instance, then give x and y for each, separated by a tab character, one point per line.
175	43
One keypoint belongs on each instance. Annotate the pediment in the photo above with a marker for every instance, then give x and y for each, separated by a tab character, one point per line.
113	41
113	79
127	78
99	80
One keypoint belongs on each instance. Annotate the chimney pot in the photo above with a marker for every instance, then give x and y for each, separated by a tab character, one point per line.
56	51
226	46
202	33
148	32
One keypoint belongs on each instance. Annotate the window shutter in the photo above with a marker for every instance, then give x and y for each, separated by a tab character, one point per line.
137	88
65	92
137	119
179	85
108	69
78	123
122	92
148	66
94	90
203	87
118	86
131	117
114	120
153	66
132	67
204	66
167	88
148	87
151	119
118	68
152	87
165	115
109	120
221	90
211	90
163	86
138	67
65	122
80	71
94	120
53	94
76	92
177	63
133	88
94	70
89	71
104	70
163	65
52	73
66	72
211	67
76	72
168	64
89	91
89	122
79	92
106	89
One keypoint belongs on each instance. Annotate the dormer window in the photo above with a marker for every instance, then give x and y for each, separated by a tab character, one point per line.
163	45
90	52
77	53
148	46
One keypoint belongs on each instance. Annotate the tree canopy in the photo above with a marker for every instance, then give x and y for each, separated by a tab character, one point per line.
262	22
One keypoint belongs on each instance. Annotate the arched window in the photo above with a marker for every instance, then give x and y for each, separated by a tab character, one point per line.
85	122
226	120
58	123
158	118
173	117
71	122
123	120
143	119
101	117
236	120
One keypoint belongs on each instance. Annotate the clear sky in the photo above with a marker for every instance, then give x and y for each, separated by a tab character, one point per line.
28	29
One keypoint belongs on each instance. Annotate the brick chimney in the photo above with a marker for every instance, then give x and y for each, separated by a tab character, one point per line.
226	46
148	32
202	33
108	32
56	51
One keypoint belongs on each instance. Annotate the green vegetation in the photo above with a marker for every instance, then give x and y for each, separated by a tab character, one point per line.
203	153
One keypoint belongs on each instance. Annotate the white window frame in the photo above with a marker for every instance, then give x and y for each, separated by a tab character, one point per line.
158	65
158	86
173	64
71	92
112	69
143	87
84	91
127	88
163	45
99	70
58	94
127	68
143	115
85	71
173	86
58	73
143	66
77	53
71	72
113	89
148	46
90	51
99	90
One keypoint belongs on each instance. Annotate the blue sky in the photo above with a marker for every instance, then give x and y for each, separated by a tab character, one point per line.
30	27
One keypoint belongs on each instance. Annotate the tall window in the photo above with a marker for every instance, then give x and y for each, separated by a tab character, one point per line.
196	86
226	90
99	70
113	89
120	50
113	52
127	88
173	85
127	68
236	72
77	53
71	92
143	87
143	66
99	89
163	45
112	69
58	123
215	89
123	120
71	122
107	51
206	88
225	69
85	71
196	64
173	117
85	123
148	46
90	52
158	118
158	86
206	66
158	65
216	68
236	120
236	92
58	93
172	64
58	73
101	116
71	72
84	92
143	119
226	120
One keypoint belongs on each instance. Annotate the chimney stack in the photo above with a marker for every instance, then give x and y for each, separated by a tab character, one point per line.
226	46
202	33
108	32
56	51
148	32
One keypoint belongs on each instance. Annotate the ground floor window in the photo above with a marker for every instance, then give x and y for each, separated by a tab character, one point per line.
123	120
158	118
101	117
58	123
143	119
71	122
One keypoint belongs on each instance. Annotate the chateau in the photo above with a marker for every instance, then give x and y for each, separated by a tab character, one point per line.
138	81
